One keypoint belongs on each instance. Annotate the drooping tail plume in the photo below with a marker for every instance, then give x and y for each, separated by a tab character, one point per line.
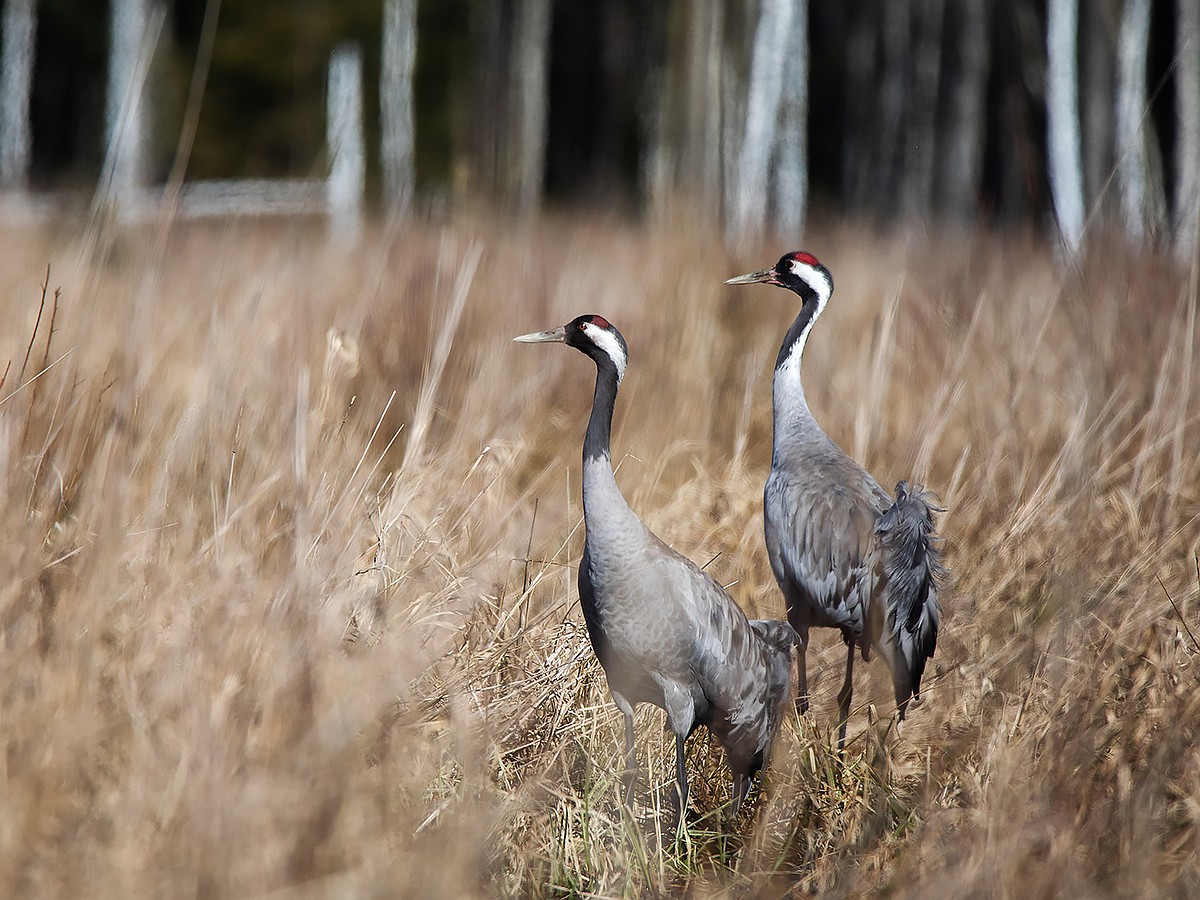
913	565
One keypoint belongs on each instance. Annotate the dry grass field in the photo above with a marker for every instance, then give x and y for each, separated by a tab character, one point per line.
287	587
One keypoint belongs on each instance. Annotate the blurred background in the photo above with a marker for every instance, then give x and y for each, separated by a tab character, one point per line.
287	589
1043	114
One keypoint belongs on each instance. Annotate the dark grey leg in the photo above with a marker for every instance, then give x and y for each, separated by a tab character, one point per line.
741	787
681	777
802	686
630	776
844	696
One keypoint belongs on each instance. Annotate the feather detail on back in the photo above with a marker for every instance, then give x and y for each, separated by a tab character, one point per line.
754	690
820	542
780	639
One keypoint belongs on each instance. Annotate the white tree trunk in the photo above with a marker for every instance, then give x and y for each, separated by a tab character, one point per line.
791	155
1132	162
344	137
1187	138
531	57
397	139
961	146
125	126
1062	121
16	83
750	201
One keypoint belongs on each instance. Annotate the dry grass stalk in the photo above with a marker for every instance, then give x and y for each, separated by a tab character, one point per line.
263	635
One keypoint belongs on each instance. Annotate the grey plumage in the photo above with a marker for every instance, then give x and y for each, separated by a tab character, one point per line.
845	553
912	567
664	630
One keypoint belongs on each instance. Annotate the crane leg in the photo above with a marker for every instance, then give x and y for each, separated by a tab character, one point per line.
681	783
802	677
630	775
844	696
741	787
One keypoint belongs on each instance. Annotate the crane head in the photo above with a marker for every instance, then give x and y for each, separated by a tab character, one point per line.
591	334
798	271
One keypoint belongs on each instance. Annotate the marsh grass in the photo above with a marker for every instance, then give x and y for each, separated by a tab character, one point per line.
287	586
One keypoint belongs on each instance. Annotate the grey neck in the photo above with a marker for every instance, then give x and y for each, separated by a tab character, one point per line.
794	424
597	441
606	514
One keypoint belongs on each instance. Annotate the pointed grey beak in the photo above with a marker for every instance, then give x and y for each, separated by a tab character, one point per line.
766	276
558	334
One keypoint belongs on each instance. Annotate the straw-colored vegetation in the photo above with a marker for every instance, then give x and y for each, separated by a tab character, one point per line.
287	589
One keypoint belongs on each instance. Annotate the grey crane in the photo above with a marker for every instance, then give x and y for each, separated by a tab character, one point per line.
846	554
664	630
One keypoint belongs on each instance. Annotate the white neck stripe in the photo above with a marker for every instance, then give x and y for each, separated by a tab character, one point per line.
608	342
815	279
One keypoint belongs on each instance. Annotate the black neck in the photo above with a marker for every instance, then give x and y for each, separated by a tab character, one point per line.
597	441
807	312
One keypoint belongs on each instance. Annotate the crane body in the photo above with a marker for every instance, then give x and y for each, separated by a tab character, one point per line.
846	554
664	630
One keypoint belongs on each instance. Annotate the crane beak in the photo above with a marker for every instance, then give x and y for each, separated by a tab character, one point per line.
557	335
766	276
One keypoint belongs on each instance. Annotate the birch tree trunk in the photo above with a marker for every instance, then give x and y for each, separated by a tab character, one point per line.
344	135
750	201
16	83
397	138
527	142
791	154
961	144
1132	162
1187	137
1062	125
125	127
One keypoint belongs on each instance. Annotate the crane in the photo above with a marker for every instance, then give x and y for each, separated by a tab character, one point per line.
846	554
664	630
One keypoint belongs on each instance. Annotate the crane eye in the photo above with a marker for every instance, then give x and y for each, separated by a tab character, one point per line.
582	326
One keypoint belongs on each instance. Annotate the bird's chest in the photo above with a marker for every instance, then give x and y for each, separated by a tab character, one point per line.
629	600
613	565
634	618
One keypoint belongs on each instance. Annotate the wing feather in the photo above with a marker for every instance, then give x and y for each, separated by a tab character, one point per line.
820	539
913	564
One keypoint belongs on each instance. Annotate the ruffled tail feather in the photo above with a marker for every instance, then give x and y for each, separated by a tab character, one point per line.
913	564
